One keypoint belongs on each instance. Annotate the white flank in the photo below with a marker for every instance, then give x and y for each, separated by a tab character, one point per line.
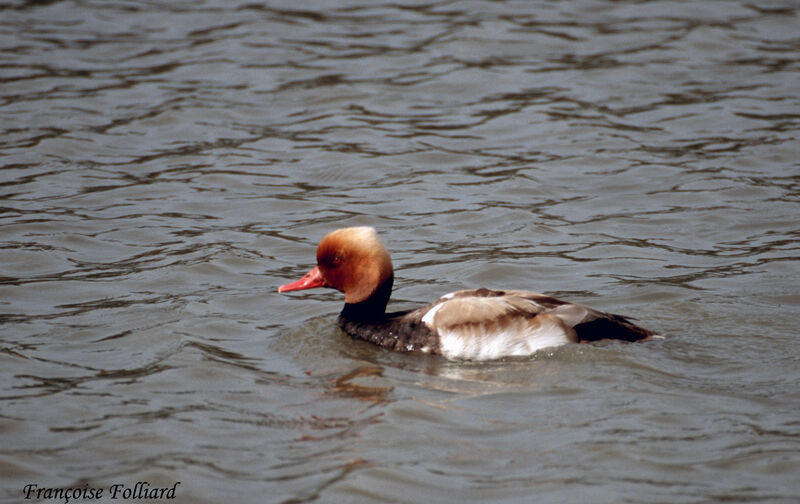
484	328
518	340
427	319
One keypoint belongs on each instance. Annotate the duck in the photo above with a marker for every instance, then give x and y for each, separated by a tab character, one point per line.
476	324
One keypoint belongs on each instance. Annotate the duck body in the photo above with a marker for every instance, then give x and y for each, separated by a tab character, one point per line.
479	324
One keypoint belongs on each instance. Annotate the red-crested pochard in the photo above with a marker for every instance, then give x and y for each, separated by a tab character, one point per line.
477	324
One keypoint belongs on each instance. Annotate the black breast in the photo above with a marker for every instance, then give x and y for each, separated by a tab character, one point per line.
401	331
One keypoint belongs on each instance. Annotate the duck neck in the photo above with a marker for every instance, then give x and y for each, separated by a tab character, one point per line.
373	307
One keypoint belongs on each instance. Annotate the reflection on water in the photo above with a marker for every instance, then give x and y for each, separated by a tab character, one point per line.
165	165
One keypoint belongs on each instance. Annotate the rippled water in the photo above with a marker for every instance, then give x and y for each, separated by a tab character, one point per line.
166	165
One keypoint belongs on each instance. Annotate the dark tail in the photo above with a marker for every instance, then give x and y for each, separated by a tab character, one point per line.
612	327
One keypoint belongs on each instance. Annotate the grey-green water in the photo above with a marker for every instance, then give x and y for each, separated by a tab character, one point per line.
164	166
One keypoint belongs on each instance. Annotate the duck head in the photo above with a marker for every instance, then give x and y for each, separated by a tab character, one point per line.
353	261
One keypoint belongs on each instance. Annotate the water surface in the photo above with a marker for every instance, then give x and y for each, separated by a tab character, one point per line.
164	166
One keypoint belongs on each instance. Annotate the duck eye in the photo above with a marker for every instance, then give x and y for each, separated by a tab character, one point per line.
337	260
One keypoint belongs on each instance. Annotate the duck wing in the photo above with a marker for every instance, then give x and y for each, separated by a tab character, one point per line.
487	324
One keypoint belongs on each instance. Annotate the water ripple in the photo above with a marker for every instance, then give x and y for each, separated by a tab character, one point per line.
165	165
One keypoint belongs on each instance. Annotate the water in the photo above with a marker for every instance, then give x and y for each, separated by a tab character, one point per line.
166	165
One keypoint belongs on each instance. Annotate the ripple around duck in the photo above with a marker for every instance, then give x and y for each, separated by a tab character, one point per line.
164	166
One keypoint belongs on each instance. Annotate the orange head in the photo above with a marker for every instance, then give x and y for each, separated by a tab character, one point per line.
351	260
